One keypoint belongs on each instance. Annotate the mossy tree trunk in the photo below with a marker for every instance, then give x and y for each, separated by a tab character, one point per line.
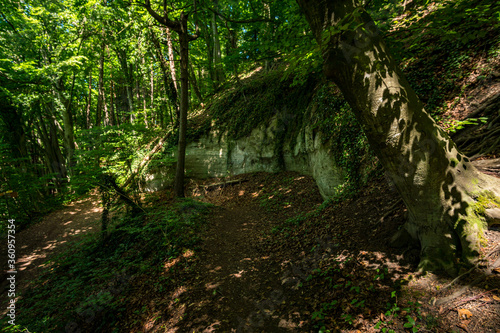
440	187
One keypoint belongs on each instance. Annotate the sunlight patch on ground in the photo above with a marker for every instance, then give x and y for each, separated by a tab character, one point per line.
171	263
211	285
287	324
26	261
213	327
218	268
239	274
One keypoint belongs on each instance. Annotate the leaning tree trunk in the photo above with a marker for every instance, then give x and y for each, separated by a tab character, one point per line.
445	195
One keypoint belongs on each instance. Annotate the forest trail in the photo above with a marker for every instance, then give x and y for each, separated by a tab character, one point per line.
50	237
248	275
239	284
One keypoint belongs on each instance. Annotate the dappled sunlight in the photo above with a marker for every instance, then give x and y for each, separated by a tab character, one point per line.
55	232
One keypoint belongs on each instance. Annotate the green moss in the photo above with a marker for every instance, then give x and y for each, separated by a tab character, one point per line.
257	100
332	116
476	210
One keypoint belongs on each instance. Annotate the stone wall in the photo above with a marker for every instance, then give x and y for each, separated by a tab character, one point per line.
213	155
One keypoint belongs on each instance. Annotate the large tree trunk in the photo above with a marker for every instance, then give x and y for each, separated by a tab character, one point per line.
438	184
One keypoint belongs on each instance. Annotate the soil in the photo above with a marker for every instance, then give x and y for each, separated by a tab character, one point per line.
48	239
264	267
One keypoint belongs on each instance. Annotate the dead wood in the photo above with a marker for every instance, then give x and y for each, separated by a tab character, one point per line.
211	187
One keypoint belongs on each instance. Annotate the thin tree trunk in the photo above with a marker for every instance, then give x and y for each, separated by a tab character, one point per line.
151	94
169	83
89	102
194	83
181	152
217	54
171	59
100	89
267	34
112	115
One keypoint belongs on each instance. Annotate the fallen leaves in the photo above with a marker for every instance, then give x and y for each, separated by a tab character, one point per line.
464	314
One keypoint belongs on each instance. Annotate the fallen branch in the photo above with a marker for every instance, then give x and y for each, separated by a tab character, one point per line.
145	161
458	277
473	298
223	184
462	290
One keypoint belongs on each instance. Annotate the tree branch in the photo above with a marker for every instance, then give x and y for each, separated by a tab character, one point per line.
174	25
9	23
260	19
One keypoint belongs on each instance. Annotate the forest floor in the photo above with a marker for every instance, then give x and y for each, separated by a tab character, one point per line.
274	259
51	237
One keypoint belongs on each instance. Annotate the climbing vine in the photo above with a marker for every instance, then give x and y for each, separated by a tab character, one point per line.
332	116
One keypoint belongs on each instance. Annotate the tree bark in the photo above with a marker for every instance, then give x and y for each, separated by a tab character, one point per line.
173	72
171	56
129	77
438	184
112	116
194	83
100	89
89	102
179	26
169	83
217	54
181	148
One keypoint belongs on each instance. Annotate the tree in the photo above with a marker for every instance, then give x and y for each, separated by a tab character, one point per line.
445	195
180	26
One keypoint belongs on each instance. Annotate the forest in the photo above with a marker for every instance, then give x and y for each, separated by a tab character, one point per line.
250	165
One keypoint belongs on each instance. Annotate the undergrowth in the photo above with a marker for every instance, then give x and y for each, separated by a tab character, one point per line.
88	287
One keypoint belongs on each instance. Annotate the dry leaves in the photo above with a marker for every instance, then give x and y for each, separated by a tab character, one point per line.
464	314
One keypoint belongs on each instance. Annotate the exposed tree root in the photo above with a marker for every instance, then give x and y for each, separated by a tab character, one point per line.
485	139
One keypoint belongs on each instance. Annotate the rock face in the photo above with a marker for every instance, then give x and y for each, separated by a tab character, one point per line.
214	155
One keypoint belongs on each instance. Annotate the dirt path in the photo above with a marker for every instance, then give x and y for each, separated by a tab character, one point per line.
235	282
241	285
45	240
